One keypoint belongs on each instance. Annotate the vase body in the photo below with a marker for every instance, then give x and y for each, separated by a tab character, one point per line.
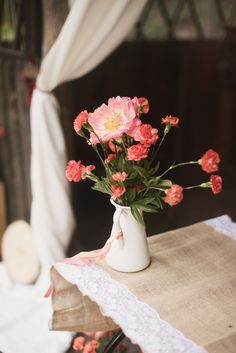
129	249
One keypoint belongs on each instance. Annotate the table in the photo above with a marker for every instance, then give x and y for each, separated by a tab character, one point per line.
185	301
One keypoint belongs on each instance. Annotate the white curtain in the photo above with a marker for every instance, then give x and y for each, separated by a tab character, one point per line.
91	31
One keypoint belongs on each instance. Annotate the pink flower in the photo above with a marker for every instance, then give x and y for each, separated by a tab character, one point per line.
143	102
137	152
94	344
210	161
87	170
109	158
78	343
174	195
117	191
146	135
93	139
113	147
89	348
80	120
112	120
75	171
216	183
119	176
173	120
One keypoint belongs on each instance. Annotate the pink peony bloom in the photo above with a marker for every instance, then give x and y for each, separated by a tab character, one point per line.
80	120
173	120
143	102
113	147
137	152
146	135
210	161
117	191
112	120
75	171
109	158
133	125
78	343
119	176
174	195
216	183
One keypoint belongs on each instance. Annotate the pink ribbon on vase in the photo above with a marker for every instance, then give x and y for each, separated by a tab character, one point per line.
90	257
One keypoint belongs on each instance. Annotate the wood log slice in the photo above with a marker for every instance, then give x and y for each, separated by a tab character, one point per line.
19	252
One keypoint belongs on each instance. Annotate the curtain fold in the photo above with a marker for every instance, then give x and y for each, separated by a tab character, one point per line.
92	30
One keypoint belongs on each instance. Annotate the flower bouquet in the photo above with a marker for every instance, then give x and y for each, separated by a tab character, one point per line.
128	150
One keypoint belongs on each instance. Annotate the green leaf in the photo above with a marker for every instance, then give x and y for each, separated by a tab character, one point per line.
155	169
158	202
102	186
146	200
150	209
142	172
136	213
131	195
165	182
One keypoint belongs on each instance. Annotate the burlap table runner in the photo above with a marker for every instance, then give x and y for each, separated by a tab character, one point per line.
191	283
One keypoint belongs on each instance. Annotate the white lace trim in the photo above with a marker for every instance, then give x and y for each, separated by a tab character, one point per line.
115	300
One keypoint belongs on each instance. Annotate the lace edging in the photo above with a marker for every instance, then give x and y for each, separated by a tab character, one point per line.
115	300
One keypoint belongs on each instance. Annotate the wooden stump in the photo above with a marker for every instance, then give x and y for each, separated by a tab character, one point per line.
19	253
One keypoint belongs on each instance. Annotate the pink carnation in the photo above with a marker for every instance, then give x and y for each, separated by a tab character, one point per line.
137	152
216	184
112	120
119	176
78	343
89	348
87	170
143	102
174	195
117	191
146	135
210	161
80	120
173	120
75	171
109	158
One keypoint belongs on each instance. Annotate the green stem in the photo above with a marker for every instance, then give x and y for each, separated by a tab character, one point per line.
192	187
154	154
173	166
203	185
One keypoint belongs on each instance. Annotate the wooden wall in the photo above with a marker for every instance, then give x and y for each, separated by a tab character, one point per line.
15	143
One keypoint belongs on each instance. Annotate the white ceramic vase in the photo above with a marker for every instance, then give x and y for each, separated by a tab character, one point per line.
129	250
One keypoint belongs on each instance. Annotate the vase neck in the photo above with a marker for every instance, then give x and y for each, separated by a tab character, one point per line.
117	206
